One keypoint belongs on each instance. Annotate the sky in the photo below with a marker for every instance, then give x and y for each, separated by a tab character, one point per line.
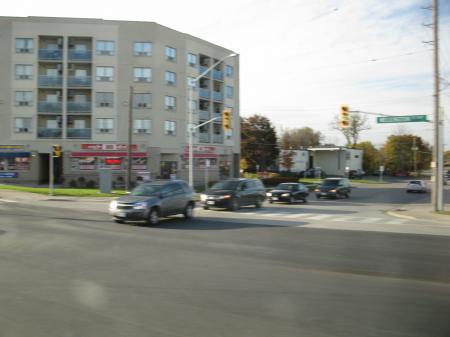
301	60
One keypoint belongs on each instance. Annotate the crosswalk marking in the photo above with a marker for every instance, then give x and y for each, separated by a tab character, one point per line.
299	215
320	216
396	222
371	220
6	200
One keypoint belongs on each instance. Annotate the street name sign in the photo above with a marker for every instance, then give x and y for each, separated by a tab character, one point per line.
402	119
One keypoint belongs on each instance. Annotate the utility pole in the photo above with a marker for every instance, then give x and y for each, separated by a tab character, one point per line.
437	164
130	140
414	149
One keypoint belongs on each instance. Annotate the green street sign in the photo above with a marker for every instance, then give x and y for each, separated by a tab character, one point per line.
402	119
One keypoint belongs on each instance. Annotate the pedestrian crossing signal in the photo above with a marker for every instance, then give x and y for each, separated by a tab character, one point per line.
57	151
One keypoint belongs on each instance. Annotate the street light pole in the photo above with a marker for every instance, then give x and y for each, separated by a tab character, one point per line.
193	83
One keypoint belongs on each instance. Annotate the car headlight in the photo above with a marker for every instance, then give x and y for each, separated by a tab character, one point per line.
333	191
140	205
203	197
285	195
316	190
227	196
113	204
268	194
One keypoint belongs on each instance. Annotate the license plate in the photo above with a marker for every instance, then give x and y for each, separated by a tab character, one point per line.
210	202
121	214
274	198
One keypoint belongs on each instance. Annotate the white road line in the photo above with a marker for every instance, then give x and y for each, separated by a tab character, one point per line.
371	220
299	215
344	218
6	200
272	214
396	222
320	216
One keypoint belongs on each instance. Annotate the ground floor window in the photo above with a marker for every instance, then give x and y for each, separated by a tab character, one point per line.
15	164
114	163
168	169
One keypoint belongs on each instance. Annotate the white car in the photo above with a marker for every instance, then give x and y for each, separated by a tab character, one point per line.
416	186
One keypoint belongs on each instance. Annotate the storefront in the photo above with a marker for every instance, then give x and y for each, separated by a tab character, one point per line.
15	162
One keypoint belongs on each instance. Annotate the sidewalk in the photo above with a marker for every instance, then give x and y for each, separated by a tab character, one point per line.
421	212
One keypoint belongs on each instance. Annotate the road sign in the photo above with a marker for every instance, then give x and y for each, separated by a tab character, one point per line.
402	119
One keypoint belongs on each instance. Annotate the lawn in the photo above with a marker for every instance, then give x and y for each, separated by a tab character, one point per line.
68	192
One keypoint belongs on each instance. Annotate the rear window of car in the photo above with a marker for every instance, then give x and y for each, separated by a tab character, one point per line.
330	182
415	182
225	185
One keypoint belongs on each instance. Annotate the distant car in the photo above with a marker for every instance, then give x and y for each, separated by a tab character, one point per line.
288	192
150	201
356	174
334	188
418	186
234	193
314	173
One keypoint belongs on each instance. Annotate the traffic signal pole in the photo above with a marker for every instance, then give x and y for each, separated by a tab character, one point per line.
51	175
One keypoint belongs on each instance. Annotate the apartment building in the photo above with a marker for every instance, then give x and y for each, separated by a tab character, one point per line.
67	82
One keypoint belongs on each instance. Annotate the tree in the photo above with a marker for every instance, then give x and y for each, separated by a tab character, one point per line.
286	159
297	138
358	123
258	142
399	155
447	158
371	156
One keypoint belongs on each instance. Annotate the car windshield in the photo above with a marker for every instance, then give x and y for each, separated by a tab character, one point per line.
225	185
286	187
415	182
331	182
146	190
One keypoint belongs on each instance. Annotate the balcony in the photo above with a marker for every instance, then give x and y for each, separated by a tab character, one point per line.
203	137
217	75
204	93
79	133
79	81
203	115
80	55
218	138
79	107
217	115
202	69
217	96
49	132
49	81
50	54
52	107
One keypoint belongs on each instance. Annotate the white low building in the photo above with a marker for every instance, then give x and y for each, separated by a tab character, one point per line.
336	160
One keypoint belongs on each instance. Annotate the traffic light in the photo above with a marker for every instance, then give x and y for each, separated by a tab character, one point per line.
226	119
344	117
57	151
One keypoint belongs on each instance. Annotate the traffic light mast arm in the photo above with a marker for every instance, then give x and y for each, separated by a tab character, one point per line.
204	123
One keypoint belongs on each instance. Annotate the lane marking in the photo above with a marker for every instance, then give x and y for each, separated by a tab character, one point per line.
6	200
299	215
401	215
320	216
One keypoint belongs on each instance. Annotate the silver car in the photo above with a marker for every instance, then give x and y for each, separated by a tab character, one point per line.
418	186
150	201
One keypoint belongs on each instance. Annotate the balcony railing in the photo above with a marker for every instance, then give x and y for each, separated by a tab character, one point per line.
217	115
49	81
79	107
217	96
50	54
80	55
218	139
79	81
218	75
49	132
202	69
203	137
44	106
204	93
79	133
203	115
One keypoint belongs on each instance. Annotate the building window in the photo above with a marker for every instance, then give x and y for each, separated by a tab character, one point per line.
104	125
24	72
170	128
24	45
22	125
142	49
142	74
105	47
229	91
142	100
171	78
104	99
229	71
24	98
191	82
192	59
171	54
142	126
170	102
105	74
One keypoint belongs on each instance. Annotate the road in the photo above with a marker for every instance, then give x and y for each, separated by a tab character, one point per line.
66	272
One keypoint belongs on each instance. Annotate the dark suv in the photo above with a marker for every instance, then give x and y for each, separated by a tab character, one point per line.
234	193
333	187
152	200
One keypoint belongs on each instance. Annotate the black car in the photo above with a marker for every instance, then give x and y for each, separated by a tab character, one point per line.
288	192
314	173
234	193
149	201
356	174
334	188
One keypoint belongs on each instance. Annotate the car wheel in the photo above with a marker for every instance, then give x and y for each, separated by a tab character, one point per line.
347	195
291	199
317	196
153	217
305	200
188	211
235	205
258	203
205	207
119	221
270	201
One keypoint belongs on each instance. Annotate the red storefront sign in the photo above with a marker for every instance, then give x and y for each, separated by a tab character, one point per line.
107	147
108	154
200	151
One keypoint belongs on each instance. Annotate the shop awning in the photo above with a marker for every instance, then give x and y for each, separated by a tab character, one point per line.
12	154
